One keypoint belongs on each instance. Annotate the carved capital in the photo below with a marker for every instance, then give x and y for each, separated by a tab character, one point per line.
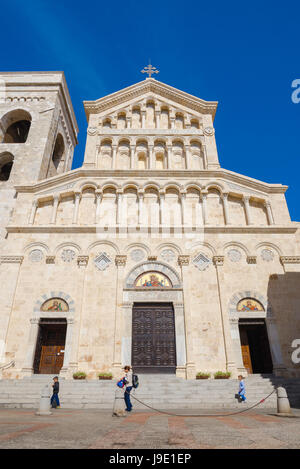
218	260
183	260
120	261
82	261
50	259
251	259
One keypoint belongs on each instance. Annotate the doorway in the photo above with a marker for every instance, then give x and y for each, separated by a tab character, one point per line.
255	346
49	355
153	338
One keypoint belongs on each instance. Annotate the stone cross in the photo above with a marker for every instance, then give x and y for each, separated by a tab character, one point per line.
150	70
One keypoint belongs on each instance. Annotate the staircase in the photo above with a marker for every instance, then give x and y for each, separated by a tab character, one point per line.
158	391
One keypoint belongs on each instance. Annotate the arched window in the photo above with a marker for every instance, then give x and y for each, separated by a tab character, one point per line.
6	163
15	126
153	280
58	151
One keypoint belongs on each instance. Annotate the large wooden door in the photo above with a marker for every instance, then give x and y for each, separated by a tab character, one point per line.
153	338
246	351
50	349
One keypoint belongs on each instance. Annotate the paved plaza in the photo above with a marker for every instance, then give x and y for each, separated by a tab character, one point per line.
96	429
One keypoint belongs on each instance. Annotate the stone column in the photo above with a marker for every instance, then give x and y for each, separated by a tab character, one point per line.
157	118
143	113
151	157
120	262
34	207
128	122
183	261
172	119
161	207
68	347
183	207
31	346
54	209
99	195
229	356
204	207
76	208
114	156
169	156
226	209
119	206
246	200
188	157
267	205
132	156
140	207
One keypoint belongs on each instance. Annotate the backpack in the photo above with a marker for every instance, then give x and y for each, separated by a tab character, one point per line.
135	381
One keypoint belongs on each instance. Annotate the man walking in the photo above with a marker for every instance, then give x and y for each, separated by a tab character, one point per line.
128	387
54	399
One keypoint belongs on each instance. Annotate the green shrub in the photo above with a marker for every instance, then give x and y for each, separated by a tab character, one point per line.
79	375
222	374
202	374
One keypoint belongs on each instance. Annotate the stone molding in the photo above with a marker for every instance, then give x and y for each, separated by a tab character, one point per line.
218	260
50	259
183	260
82	261
120	261
251	259
290	259
11	259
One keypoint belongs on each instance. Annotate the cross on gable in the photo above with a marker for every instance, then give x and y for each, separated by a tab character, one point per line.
150	70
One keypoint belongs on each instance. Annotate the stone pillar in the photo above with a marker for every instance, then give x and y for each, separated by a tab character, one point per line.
279	369
183	261
99	195
68	347
226	209
246	200
172	119
54	209
157	118
120	262
132	156
151	157
119	206
267	205
128	122
204	207
229	356
143	113
27	369
236	345
76	208
188	157
169	156
114	156
161	208
183	207
34	207
180	340
140	207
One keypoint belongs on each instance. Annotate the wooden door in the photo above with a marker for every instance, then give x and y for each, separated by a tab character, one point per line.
52	346
52	359
246	350
153	338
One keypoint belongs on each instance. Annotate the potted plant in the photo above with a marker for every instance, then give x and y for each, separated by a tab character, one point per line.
103	375
222	375
79	375
202	375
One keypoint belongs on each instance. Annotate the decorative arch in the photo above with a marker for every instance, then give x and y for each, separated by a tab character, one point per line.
204	244
37	309
67	245
251	294
238	245
162	246
138	245
100	243
269	245
15	126
156	266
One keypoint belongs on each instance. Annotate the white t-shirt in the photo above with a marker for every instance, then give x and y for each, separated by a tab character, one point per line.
128	377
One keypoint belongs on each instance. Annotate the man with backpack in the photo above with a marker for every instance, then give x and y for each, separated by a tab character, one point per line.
130	381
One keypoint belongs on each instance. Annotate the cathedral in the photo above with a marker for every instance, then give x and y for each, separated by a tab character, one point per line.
150	254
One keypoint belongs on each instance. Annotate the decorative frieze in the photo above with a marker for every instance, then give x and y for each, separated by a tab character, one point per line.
11	259
290	259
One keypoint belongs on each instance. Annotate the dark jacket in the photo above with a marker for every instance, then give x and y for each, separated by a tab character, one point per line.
56	387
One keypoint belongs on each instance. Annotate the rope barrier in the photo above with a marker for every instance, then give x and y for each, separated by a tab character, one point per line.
204	415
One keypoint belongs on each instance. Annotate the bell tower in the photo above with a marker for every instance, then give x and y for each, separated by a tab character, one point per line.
38	132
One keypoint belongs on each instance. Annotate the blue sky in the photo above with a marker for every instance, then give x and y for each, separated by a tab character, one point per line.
245	56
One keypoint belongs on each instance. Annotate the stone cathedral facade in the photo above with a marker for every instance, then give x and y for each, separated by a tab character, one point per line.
150	254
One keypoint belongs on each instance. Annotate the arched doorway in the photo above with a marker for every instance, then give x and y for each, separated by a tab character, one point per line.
50	345
154	305
254	339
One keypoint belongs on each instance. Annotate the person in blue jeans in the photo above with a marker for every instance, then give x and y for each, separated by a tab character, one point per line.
242	389
55	393
128	388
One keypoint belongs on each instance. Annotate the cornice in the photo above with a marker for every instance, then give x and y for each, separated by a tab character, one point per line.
150	86
226	175
248	229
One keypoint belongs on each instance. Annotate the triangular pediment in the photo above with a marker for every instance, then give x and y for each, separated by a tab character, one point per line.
147	89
